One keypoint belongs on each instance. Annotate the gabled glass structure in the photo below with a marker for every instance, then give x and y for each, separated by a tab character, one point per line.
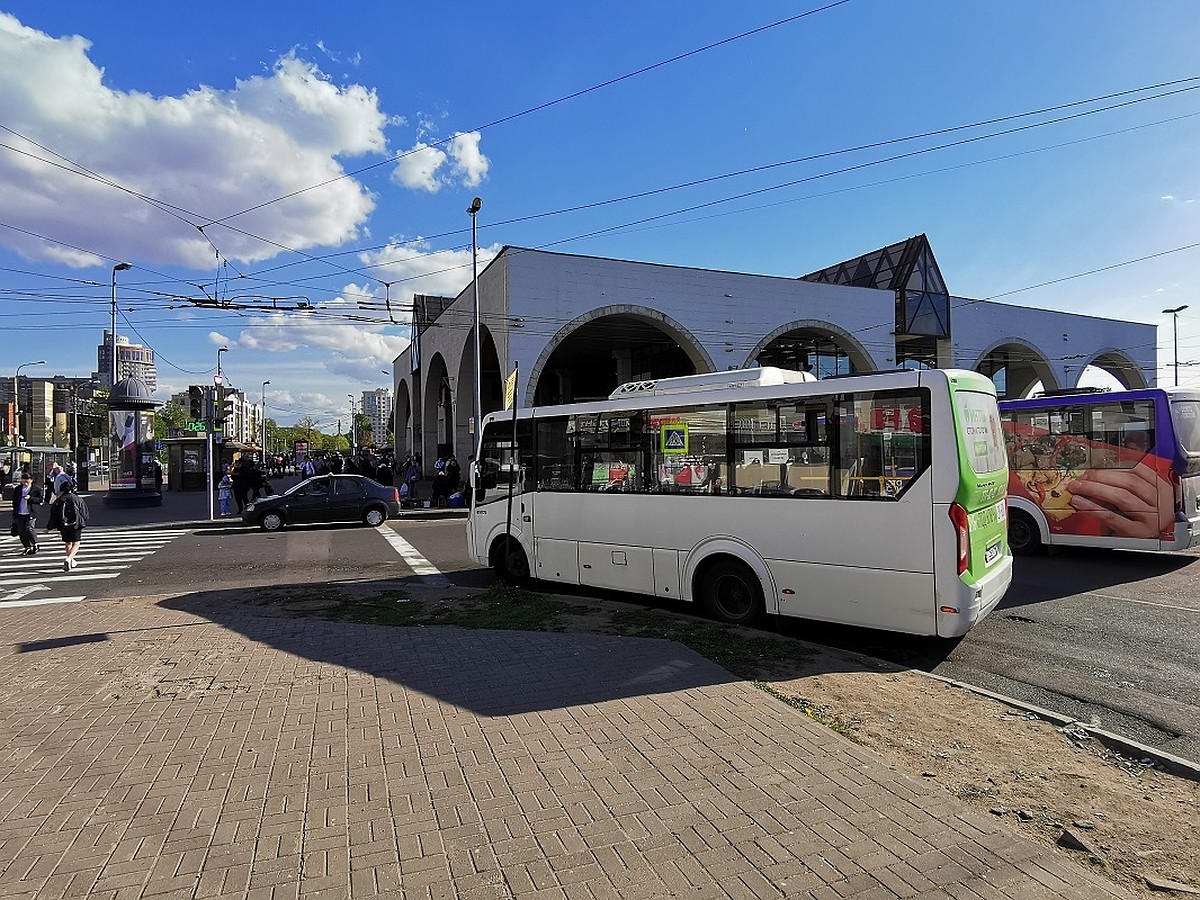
909	269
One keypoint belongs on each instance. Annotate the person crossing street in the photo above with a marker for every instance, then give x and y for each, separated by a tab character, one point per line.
69	515
27	497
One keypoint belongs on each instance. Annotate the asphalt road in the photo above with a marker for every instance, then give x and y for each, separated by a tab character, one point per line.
1110	638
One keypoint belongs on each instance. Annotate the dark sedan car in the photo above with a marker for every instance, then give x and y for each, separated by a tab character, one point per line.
326	498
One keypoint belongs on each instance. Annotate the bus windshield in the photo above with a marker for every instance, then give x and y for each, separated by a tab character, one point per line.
1185	415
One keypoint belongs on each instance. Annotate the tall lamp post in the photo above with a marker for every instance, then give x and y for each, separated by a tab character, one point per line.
263	416
476	205
119	267
17	400
350	431
1175	327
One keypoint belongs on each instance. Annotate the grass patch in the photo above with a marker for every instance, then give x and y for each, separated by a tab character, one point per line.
742	652
844	727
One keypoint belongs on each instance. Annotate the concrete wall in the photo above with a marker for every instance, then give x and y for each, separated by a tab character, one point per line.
530	301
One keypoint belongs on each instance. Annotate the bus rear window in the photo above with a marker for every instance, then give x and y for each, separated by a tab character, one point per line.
1186	416
983	437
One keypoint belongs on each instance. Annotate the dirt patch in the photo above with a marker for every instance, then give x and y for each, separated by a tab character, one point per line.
1055	785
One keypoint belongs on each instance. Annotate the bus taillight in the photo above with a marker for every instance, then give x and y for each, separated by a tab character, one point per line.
958	515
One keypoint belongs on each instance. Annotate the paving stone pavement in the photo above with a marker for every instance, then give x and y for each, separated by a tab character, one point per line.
190	751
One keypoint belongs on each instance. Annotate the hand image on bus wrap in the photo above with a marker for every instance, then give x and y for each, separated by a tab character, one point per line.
1138	502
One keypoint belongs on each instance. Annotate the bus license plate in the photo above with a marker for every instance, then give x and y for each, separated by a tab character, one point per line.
991	554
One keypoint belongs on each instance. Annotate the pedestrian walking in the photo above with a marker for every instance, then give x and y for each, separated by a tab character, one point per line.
241	484
27	497
69	515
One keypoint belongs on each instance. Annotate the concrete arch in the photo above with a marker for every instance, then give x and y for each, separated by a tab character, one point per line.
860	358
668	326
1024	368
403	424
1117	364
490	388
437	412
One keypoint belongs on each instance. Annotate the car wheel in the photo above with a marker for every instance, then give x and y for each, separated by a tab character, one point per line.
730	592
1024	539
374	517
271	521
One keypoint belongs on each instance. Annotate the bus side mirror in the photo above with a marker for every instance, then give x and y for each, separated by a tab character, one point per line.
478	489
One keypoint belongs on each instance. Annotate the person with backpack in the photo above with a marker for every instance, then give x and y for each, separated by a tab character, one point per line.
69	515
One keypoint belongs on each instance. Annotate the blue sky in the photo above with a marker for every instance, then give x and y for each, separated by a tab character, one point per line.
186	114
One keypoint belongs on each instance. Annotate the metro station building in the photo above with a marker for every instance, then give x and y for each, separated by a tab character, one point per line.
576	327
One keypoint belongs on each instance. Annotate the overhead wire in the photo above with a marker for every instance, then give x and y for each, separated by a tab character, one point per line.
550	103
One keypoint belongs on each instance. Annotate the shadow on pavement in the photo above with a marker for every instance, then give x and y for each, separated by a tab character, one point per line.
495	672
491	673
1071	571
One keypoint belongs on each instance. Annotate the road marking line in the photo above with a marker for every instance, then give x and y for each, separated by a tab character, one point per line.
88	576
419	564
41	601
1143	602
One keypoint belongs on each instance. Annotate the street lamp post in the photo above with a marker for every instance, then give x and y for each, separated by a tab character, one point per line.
119	267
476	205
263	416
350	431
1175	328
17	400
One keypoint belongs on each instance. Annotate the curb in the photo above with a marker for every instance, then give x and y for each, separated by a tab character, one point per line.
1167	762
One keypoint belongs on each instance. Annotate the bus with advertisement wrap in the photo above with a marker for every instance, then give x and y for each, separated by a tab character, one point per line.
875	500
1110	469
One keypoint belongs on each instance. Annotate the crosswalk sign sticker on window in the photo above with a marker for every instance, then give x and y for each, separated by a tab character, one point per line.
673	439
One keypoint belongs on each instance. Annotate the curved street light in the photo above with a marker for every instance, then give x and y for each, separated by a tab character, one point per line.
476	205
1174	313
16	435
112	338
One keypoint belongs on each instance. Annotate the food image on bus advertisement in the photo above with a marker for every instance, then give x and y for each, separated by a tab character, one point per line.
1116	486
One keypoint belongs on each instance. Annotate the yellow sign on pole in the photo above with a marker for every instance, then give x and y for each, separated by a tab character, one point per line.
510	390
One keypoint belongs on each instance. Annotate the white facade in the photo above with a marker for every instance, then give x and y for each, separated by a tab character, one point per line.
605	313
133	361
377	407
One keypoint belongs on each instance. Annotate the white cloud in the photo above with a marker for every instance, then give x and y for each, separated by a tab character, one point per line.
468	161
217	339
215	152
414	269
424	166
418	168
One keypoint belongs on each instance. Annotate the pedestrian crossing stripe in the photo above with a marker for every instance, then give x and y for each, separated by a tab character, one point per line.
103	554
41	601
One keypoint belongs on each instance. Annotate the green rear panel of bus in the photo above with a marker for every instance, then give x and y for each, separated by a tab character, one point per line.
983	471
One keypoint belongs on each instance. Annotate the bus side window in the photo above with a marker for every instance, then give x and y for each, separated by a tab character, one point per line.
883	443
556	455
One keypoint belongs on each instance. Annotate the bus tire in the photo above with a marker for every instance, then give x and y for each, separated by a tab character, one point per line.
1024	539
510	565
730	592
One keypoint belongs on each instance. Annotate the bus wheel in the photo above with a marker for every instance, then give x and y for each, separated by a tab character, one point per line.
1024	539
730	592
510	565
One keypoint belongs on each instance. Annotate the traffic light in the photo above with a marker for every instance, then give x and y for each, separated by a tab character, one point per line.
195	403
225	411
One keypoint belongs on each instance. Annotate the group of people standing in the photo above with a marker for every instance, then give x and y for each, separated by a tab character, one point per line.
68	512
240	483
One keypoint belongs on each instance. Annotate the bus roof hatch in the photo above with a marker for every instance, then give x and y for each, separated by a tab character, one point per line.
761	376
